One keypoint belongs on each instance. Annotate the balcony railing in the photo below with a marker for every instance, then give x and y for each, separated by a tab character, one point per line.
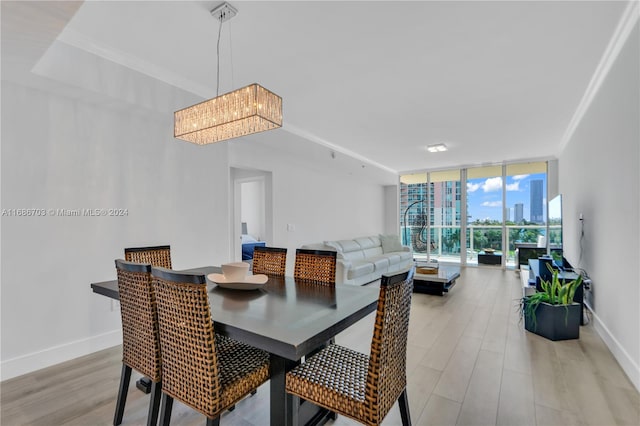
445	240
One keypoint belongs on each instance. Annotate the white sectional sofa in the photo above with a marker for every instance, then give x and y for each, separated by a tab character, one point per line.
365	259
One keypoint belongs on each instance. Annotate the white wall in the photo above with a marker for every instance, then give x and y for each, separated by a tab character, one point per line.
392	209
60	153
599	178
320	202
64	153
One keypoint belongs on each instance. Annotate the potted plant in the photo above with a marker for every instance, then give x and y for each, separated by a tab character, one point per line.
551	313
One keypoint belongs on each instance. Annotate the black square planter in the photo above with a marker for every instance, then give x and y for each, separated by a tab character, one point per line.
555	322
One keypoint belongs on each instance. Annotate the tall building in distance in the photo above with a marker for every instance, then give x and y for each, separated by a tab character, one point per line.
518	210
443	211
536	201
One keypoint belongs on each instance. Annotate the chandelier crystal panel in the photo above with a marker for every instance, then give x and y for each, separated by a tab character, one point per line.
251	109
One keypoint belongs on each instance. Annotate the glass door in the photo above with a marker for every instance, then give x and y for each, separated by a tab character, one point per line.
445	214
484	215
525	207
414	214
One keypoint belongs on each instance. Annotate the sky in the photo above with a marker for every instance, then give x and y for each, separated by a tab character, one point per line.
484	196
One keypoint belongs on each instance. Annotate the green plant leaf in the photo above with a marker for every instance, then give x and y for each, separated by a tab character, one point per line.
574	286
563	292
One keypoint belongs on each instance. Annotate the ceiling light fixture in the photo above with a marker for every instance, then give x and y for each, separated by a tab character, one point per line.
251	109
440	147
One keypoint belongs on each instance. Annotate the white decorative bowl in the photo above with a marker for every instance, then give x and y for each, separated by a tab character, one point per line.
235	271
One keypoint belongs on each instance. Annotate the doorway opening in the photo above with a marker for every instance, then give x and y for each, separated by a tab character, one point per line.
252	211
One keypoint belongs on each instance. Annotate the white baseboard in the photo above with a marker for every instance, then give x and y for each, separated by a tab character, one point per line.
45	358
628	364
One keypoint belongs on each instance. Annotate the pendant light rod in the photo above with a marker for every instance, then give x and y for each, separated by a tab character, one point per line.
223	12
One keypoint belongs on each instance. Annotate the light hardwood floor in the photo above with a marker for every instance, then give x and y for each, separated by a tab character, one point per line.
469	363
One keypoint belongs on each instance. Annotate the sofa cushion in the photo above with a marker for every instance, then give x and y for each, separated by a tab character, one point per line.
344	246
393	258
373	251
366	242
360	268
405	255
381	263
390	243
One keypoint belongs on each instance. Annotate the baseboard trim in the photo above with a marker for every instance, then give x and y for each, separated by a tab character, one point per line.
45	358
629	366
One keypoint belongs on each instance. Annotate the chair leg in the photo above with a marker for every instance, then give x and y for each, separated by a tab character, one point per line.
154	404
213	422
403	402
125	377
165	411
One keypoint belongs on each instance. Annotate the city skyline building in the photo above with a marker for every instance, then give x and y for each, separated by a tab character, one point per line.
443	210
518	212
535	205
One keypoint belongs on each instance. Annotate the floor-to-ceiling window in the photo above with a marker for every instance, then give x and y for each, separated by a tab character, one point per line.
484	214
445	211
414	213
485	210
526	201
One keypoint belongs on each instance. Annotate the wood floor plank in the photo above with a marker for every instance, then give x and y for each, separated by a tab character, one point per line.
480	405
439	411
495	337
552	417
586	393
420	386
623	403
516	406
455	378
440	353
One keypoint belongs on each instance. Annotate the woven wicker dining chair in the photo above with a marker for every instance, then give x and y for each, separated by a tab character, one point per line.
269	260
203	370
318	266
140	343
353	384
156	256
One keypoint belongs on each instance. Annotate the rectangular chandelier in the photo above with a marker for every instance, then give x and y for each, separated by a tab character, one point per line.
251	109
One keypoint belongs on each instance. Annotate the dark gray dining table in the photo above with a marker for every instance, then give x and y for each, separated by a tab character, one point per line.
288	319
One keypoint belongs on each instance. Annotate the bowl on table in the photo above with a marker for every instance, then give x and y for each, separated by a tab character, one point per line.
235	271
235	276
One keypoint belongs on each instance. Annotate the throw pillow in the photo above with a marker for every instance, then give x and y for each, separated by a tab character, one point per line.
390	243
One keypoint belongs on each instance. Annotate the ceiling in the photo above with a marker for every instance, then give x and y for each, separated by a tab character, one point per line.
495	81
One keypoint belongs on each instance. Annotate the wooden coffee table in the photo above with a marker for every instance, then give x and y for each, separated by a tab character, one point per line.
437	284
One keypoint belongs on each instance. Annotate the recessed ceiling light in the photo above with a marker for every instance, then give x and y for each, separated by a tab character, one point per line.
440	147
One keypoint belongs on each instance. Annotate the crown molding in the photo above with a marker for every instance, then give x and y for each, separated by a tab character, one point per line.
316	139
76	39
621	34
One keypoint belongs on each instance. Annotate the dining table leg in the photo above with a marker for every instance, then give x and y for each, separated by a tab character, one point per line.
282	404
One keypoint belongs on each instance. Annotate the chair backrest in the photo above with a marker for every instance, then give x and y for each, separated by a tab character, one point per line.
187	340
386	375
140	341
318	266
269	260
156	256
